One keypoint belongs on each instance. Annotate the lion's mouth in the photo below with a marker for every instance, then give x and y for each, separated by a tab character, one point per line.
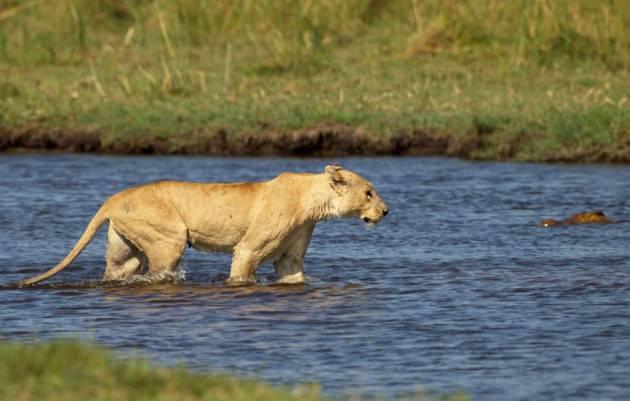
368	220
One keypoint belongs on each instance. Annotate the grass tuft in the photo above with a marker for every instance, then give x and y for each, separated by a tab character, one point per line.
64	370
73	371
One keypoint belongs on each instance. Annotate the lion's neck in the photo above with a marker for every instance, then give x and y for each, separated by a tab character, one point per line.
321	211
319	202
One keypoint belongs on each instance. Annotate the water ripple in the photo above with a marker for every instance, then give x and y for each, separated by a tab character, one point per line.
456	289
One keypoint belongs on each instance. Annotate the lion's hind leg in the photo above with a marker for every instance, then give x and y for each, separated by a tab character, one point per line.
162	246
123	259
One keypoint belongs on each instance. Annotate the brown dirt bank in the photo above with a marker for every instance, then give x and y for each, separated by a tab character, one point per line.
325	139
321	140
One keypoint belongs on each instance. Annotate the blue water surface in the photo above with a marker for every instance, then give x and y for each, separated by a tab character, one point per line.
457	289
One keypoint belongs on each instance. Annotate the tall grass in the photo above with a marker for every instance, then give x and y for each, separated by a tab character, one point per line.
521	30
289	35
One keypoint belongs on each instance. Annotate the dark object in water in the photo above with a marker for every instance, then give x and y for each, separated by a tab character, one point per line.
590	217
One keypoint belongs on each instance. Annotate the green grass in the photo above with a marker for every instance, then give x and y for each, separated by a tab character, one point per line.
68	371
72	371
535	80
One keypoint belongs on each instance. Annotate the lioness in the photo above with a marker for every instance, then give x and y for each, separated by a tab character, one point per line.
150	225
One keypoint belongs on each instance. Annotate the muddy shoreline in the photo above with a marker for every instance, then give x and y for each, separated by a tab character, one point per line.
322	140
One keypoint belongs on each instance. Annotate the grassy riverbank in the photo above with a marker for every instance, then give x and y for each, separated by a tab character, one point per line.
531	80
69	371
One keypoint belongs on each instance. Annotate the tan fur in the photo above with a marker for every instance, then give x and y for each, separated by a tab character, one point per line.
150	225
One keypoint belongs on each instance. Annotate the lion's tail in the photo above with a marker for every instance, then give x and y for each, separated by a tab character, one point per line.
97	221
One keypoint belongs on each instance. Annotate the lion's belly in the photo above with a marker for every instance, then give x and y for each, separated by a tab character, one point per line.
214	241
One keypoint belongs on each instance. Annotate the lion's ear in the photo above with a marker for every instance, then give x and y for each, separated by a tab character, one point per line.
333	169
334	175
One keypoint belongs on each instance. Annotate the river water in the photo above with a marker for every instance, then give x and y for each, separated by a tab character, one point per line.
456	289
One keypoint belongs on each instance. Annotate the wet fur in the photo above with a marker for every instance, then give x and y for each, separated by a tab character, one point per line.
151	225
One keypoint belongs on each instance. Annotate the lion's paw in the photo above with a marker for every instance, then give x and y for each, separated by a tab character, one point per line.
237	281
295	278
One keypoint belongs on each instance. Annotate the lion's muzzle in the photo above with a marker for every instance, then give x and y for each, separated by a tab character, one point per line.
376	217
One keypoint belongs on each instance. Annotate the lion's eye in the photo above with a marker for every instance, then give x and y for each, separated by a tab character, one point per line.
368	194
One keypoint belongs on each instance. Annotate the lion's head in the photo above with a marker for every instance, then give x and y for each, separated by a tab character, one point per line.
355	196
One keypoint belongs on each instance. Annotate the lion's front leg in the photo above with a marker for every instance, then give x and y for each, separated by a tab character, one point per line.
290	266
254	249
289	269
244	264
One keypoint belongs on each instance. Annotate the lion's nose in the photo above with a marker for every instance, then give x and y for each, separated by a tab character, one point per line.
385	211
